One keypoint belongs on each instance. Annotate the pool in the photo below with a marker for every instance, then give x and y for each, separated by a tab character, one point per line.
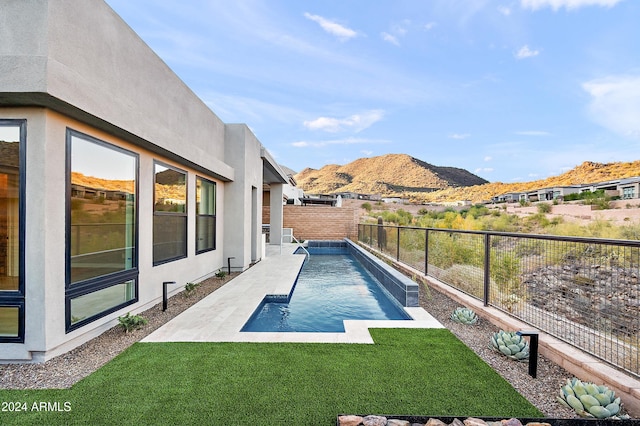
332	286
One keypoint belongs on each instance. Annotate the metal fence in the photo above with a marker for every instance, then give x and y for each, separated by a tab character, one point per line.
584	291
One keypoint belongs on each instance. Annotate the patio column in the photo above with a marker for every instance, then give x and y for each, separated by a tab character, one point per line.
277	213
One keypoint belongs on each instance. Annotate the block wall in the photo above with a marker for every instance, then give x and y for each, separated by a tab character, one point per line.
319	222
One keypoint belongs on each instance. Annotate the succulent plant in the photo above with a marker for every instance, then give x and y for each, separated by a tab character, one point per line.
511	345
590	400
464	316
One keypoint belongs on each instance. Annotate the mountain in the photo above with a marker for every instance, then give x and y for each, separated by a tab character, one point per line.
587	172
391	174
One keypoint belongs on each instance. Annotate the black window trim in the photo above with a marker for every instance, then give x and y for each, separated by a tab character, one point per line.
214	216
16	299
172	214
94	284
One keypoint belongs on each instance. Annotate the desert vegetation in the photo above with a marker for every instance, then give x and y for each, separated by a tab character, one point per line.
482	218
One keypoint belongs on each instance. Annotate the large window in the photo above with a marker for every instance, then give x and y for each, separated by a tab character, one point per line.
102	259
205	215
169	214
12	182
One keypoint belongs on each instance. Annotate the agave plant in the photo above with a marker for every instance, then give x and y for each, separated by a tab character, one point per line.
464	316
510	344
590	400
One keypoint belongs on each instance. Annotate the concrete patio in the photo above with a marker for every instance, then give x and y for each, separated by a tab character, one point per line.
220	316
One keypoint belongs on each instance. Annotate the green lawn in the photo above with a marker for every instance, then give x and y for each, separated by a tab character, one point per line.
407	372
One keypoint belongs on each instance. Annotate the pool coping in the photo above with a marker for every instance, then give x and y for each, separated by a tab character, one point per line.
220	316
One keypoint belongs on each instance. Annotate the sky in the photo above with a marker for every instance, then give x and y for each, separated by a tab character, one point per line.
511	90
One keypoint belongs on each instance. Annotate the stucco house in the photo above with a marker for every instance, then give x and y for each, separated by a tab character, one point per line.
114	177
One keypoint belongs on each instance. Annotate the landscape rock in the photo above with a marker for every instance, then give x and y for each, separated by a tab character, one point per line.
435	422
349	420
397	422
374	421
511	422
472	421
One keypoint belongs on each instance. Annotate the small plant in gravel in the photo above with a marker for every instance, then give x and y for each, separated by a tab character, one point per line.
511	345
464	316
590	400
221	274
131	322
189	288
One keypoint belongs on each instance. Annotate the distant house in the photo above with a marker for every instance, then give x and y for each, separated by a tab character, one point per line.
629	188
511	197
322	200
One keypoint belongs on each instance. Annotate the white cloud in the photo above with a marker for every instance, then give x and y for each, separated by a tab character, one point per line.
525	52
533	133
488	158
459	136
568	4
354	123
504	10
615	103
366	152
390	38
333	28
345	141
430	25
483	170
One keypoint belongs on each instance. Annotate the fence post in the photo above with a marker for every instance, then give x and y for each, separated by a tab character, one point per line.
426	252
487	265
398	246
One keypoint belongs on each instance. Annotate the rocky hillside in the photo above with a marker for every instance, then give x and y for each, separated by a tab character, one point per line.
587	172
391	174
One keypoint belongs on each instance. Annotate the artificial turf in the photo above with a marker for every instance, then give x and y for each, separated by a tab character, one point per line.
406	372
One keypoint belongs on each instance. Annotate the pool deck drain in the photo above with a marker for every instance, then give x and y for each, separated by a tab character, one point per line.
220	316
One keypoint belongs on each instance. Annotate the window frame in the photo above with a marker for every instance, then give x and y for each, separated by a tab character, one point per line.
184	214
16	298
81	288
213	216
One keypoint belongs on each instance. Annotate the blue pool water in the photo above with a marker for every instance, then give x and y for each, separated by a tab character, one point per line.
330	288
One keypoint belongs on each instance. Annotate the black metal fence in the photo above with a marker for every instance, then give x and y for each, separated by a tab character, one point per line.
584	291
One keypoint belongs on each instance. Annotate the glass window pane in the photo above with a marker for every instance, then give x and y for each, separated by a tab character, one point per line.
9	207
205	197
91	304
170	190
103	218
9	320
169	237
206	233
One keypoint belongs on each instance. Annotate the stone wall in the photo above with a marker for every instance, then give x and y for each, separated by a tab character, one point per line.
319	222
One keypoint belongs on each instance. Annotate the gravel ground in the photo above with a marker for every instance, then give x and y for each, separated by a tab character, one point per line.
65	370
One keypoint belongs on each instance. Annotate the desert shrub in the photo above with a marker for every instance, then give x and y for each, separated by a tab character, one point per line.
544	208
367	206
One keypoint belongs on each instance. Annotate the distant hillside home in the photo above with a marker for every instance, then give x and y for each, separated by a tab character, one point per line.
359	196
322	200
626	188
114	178
550	194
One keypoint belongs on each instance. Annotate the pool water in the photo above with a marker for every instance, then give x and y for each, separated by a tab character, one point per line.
331	288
